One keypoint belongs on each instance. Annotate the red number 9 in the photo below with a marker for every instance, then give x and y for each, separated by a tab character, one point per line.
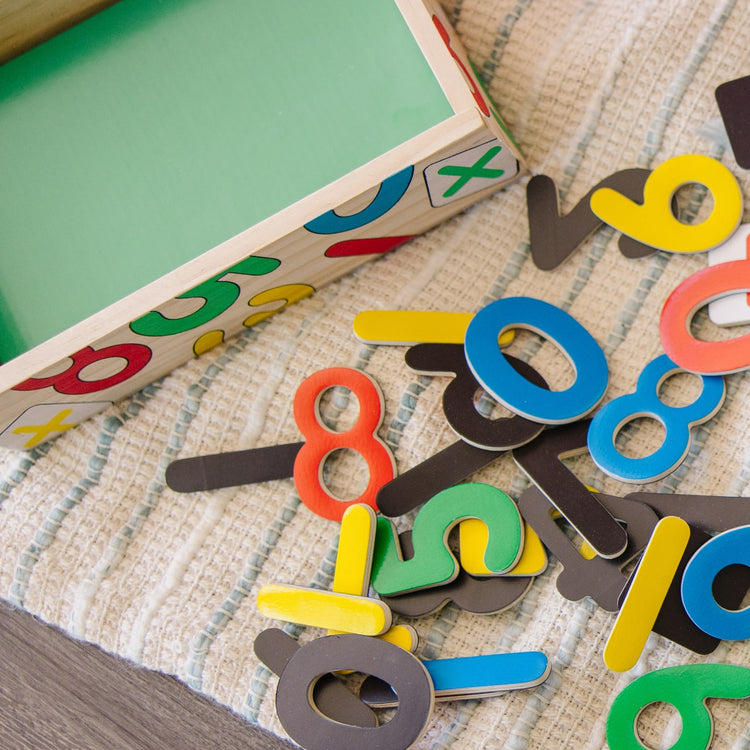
320	441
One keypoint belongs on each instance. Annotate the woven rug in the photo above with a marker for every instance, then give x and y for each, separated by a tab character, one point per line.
92	539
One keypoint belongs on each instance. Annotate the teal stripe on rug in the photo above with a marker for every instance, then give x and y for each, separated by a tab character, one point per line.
25	462
47	532
120	542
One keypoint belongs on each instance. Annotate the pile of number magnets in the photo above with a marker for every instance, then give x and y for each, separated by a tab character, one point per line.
692	552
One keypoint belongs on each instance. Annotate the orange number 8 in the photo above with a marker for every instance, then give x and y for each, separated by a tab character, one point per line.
320	441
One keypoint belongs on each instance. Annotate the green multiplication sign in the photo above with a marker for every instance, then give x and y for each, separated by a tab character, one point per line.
150	133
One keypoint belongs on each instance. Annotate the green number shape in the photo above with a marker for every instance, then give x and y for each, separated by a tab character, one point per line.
686	688
218	295
433	563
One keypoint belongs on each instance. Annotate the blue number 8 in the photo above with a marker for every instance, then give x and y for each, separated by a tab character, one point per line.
645	402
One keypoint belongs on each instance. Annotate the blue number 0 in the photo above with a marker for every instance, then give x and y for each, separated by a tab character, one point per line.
500	379
645	402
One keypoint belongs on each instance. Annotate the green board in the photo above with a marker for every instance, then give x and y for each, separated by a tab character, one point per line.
152	132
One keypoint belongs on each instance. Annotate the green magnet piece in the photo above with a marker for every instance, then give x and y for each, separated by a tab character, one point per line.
433	563
686	688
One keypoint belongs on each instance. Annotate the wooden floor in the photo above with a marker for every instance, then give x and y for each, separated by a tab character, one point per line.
59	694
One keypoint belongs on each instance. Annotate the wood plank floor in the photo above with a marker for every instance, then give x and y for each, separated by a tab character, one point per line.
58	693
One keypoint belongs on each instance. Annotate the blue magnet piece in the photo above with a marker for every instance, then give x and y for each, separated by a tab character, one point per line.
645	402
500	379
472	675
469	677
729	548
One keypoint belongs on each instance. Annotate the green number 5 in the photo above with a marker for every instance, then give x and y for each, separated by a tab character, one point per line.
218	295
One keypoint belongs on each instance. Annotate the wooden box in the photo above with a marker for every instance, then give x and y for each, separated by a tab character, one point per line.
175	171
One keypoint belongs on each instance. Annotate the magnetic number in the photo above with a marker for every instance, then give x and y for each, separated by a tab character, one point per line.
71	383
458	398
600	578
320	441
554	237
480	595
653	222
500	379
389	194
354	564
218	295
332	698
306	724
433	562
541	461
645	401
464	677
649	588
704	286
698	596
344	613
686	688
287	294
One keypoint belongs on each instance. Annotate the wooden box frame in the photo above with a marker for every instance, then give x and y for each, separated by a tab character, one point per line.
366	212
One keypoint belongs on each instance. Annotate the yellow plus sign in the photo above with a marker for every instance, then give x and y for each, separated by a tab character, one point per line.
42	431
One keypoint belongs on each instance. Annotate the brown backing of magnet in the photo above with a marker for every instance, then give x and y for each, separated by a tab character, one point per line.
554	238
710	513
541	461
478	595
733	98
601	579
458	397
275	648
307	726
232	469
446	468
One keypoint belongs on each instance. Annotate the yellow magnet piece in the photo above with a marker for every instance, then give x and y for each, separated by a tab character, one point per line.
403	636
354	564
474	537
648	588
406	327
354	556
324	609
653	222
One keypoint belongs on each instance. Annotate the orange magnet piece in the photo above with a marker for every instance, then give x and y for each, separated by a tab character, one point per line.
697	290
320	441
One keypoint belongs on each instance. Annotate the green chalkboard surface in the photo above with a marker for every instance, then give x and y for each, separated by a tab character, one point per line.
155	130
